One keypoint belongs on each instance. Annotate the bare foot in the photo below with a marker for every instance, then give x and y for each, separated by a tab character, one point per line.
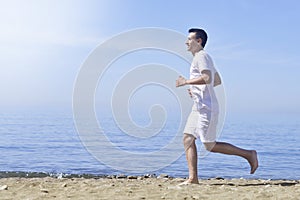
189	182
253	161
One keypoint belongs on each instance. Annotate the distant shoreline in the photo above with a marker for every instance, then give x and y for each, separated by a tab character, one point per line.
21	174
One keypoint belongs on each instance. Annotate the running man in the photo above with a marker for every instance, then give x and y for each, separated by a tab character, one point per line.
202	122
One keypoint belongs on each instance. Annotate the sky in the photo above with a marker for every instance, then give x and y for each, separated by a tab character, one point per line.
254	45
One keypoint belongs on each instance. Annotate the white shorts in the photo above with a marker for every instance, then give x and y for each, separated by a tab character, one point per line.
202	124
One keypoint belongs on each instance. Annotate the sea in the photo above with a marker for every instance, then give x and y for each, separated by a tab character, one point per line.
39	142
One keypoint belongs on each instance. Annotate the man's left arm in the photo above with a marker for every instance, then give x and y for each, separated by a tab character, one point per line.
205	78
217	79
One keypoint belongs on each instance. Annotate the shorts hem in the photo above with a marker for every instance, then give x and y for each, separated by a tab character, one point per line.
191	134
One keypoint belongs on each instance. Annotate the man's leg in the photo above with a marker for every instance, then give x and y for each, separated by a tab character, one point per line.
226	148
191	157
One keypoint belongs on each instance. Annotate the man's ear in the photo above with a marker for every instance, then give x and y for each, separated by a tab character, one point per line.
199	41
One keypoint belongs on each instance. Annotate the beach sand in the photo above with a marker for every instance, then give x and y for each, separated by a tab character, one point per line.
145	188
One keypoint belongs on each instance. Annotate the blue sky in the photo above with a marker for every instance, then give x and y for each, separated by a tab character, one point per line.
254	44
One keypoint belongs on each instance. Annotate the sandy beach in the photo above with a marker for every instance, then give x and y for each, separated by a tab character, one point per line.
145	188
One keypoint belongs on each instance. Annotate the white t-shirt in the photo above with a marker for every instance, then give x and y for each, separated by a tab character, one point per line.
203	95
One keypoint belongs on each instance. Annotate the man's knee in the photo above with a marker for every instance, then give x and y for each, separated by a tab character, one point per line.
188	140
209	145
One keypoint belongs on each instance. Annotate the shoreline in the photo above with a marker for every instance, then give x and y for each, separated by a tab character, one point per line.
24	174
138	187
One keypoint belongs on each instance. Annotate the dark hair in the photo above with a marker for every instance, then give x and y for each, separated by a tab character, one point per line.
200	33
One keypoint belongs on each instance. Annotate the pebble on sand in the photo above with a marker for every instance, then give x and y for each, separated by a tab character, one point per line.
3	187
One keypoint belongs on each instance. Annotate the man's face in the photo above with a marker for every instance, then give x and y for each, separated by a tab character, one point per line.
193	44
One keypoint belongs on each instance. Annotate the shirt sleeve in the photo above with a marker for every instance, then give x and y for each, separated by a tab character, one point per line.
203	63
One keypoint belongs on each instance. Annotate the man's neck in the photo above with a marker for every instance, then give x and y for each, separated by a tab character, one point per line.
194	53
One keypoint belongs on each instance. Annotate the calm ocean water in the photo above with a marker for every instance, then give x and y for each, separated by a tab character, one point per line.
48	142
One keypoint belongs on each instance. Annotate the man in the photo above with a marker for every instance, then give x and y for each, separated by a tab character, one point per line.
202	121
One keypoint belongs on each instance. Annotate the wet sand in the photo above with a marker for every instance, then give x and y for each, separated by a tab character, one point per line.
145	188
